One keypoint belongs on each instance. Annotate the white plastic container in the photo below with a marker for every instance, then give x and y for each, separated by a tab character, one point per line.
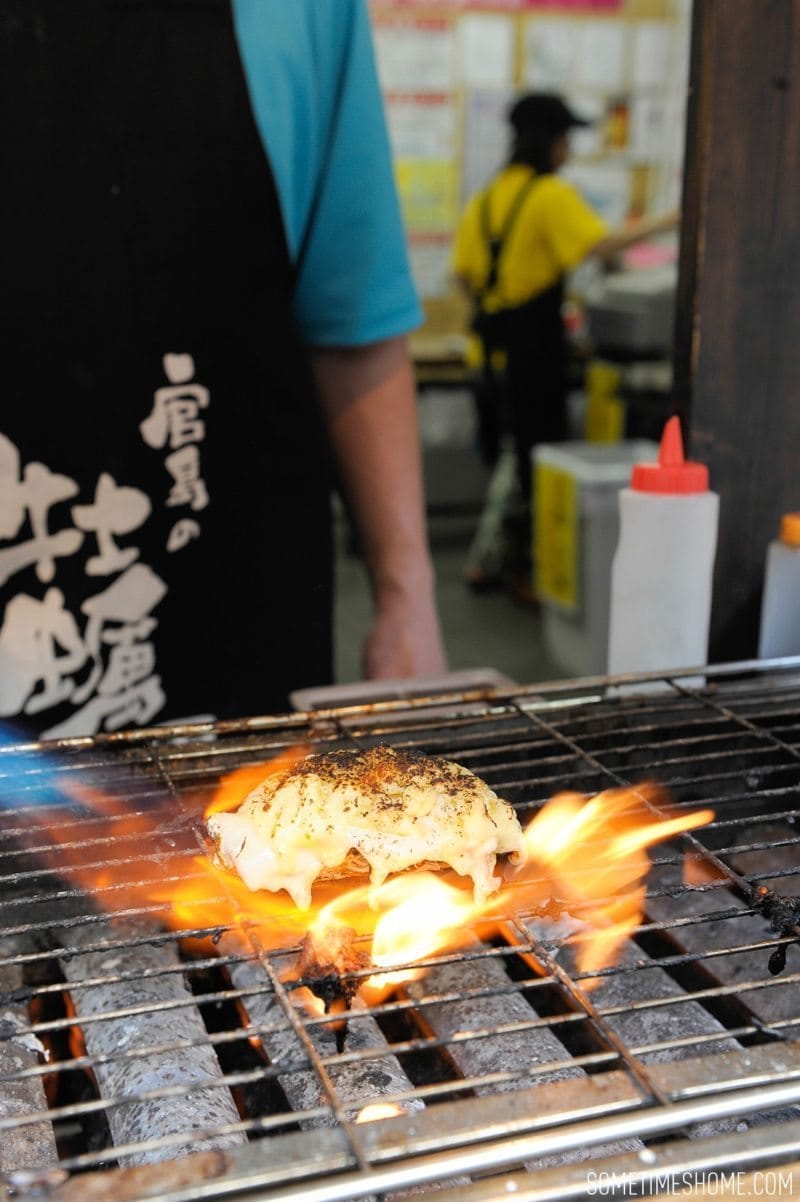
661	576
576	527
780	605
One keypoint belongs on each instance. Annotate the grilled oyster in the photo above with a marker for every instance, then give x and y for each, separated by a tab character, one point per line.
379	811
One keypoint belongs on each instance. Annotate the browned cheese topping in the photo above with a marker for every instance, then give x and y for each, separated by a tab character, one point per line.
396	809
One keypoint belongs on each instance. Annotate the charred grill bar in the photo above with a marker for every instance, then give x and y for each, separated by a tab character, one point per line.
190	1053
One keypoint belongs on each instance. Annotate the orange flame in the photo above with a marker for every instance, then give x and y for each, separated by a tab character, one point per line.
234	787
587	855
129	859
407	919
594	854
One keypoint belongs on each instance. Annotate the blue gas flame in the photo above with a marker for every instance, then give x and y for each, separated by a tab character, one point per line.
28	776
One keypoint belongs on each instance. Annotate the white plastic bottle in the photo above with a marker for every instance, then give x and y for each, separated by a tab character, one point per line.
780	604
661	574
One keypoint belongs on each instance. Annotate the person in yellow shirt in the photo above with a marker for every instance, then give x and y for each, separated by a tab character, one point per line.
515	243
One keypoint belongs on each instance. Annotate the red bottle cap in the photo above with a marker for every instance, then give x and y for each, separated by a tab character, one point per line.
672	473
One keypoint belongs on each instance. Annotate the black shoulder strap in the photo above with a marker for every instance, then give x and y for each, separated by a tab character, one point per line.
496	242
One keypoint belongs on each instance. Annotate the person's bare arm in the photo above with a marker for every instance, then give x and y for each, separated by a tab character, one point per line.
619	240
369	402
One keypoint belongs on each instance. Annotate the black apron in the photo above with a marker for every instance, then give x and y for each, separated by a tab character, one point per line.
164	485
536	375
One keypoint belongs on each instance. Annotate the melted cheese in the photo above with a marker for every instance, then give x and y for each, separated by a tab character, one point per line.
397	809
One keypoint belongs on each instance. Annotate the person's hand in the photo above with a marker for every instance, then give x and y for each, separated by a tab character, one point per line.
404	640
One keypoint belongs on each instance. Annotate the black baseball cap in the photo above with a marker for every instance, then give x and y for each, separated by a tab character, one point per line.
545	111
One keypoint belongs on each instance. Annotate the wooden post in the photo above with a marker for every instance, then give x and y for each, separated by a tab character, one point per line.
737	355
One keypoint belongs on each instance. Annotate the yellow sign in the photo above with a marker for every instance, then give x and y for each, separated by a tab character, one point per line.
556	535
605	412
428	194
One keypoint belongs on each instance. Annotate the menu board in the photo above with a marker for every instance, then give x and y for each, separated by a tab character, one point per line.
418	58
415	54
486	138
560	55
486	50
450	69
422	125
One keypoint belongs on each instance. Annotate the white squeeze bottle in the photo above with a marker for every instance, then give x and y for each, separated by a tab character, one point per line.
780	605
661	574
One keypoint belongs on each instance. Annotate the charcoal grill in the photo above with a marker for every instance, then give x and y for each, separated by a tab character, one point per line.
137	1062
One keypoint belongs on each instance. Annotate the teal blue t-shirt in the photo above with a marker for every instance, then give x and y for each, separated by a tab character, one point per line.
314	91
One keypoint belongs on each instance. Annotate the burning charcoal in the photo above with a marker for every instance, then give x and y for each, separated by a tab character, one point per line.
31	1145
326	958
157	1009
357	1082
328	955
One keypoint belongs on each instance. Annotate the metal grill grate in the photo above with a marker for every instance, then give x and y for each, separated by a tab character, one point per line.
126	1046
